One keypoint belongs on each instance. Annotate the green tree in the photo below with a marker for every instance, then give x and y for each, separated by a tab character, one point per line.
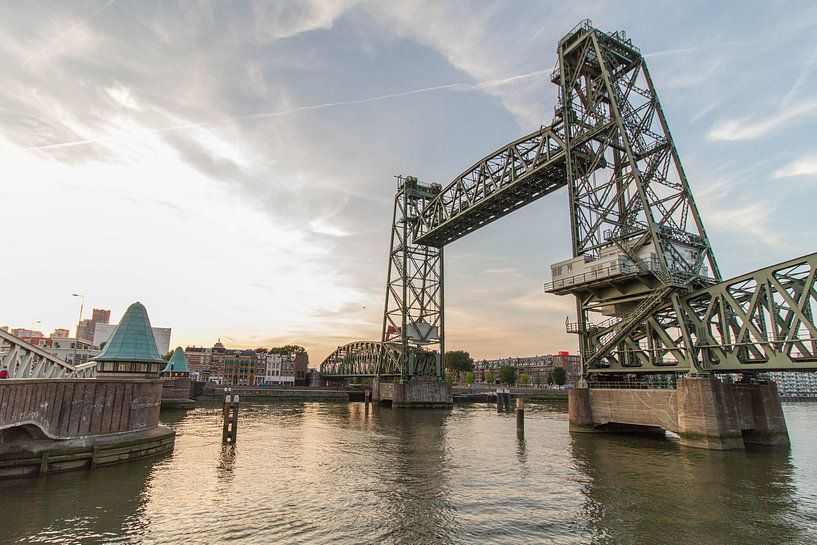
167	356
449	376
507	375
459	360
489	377
559	376
524	379
469	378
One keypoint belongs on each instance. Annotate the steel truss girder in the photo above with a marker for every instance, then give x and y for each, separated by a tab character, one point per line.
635	191
511	177
413	312
24	360
761	321
377	359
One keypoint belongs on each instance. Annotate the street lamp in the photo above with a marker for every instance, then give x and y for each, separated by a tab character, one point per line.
76	341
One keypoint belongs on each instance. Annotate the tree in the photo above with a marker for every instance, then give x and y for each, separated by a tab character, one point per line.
287	349
167	356
449	376
489	377
459	360
559	376
524	379
507	375
469	378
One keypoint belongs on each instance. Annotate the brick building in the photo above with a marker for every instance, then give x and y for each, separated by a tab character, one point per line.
536	367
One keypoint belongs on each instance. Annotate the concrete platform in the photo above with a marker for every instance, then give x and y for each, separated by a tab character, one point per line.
418	393
28	457
704	412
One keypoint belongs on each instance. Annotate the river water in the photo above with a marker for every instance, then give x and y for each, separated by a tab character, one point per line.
335	473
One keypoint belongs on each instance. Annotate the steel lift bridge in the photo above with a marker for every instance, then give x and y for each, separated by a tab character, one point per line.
649	295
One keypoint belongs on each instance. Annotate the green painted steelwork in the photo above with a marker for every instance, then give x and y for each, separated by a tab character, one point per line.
648	288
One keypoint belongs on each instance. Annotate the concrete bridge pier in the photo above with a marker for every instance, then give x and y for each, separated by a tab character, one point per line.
704	412
420	392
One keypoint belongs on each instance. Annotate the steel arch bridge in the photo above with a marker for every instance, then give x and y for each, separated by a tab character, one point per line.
24	360
649	293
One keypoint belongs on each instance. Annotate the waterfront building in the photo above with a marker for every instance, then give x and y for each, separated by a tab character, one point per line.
103	331
536	367
239	367
26	334
73	351
282	369
796	385
86	328
60	333
206	363
131	349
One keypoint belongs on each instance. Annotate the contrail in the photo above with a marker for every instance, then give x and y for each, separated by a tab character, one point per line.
462	87
67	32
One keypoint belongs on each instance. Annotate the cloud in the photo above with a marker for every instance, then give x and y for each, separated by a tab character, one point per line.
801	167
123	97
70	33
754	126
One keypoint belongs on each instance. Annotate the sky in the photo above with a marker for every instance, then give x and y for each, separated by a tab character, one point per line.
231	164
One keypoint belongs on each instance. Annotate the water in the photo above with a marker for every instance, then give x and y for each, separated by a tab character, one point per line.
332	473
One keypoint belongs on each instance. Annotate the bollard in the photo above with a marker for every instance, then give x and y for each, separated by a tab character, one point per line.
230	413
520	415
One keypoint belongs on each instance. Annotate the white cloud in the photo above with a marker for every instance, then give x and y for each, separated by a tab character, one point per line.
801	167
755	126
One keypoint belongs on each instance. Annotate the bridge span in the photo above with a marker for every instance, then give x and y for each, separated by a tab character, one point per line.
649	294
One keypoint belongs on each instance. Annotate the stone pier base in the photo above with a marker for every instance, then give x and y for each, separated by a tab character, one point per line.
176	392
420	392
704	412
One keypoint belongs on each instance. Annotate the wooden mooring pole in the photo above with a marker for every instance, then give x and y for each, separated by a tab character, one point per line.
503	399
230	429
520	415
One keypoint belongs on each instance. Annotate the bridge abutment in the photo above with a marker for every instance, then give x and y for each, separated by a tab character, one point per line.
704	412
420	392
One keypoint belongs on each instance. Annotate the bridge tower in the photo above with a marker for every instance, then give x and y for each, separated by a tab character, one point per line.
413	313
638	239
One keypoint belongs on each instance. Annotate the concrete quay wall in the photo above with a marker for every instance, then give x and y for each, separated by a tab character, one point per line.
70	408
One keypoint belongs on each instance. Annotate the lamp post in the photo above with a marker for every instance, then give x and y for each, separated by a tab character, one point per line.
76	341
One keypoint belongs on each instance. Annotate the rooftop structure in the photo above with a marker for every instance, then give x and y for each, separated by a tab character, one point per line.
177	364
132	348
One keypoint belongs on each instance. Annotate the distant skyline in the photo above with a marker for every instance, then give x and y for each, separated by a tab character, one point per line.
231	165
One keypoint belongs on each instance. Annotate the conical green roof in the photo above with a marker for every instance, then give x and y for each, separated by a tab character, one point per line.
177	363
132	340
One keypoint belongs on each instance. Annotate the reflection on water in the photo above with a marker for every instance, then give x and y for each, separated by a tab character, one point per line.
342	473
638	489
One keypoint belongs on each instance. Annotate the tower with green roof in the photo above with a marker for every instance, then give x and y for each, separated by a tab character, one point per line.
131	350
177	366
